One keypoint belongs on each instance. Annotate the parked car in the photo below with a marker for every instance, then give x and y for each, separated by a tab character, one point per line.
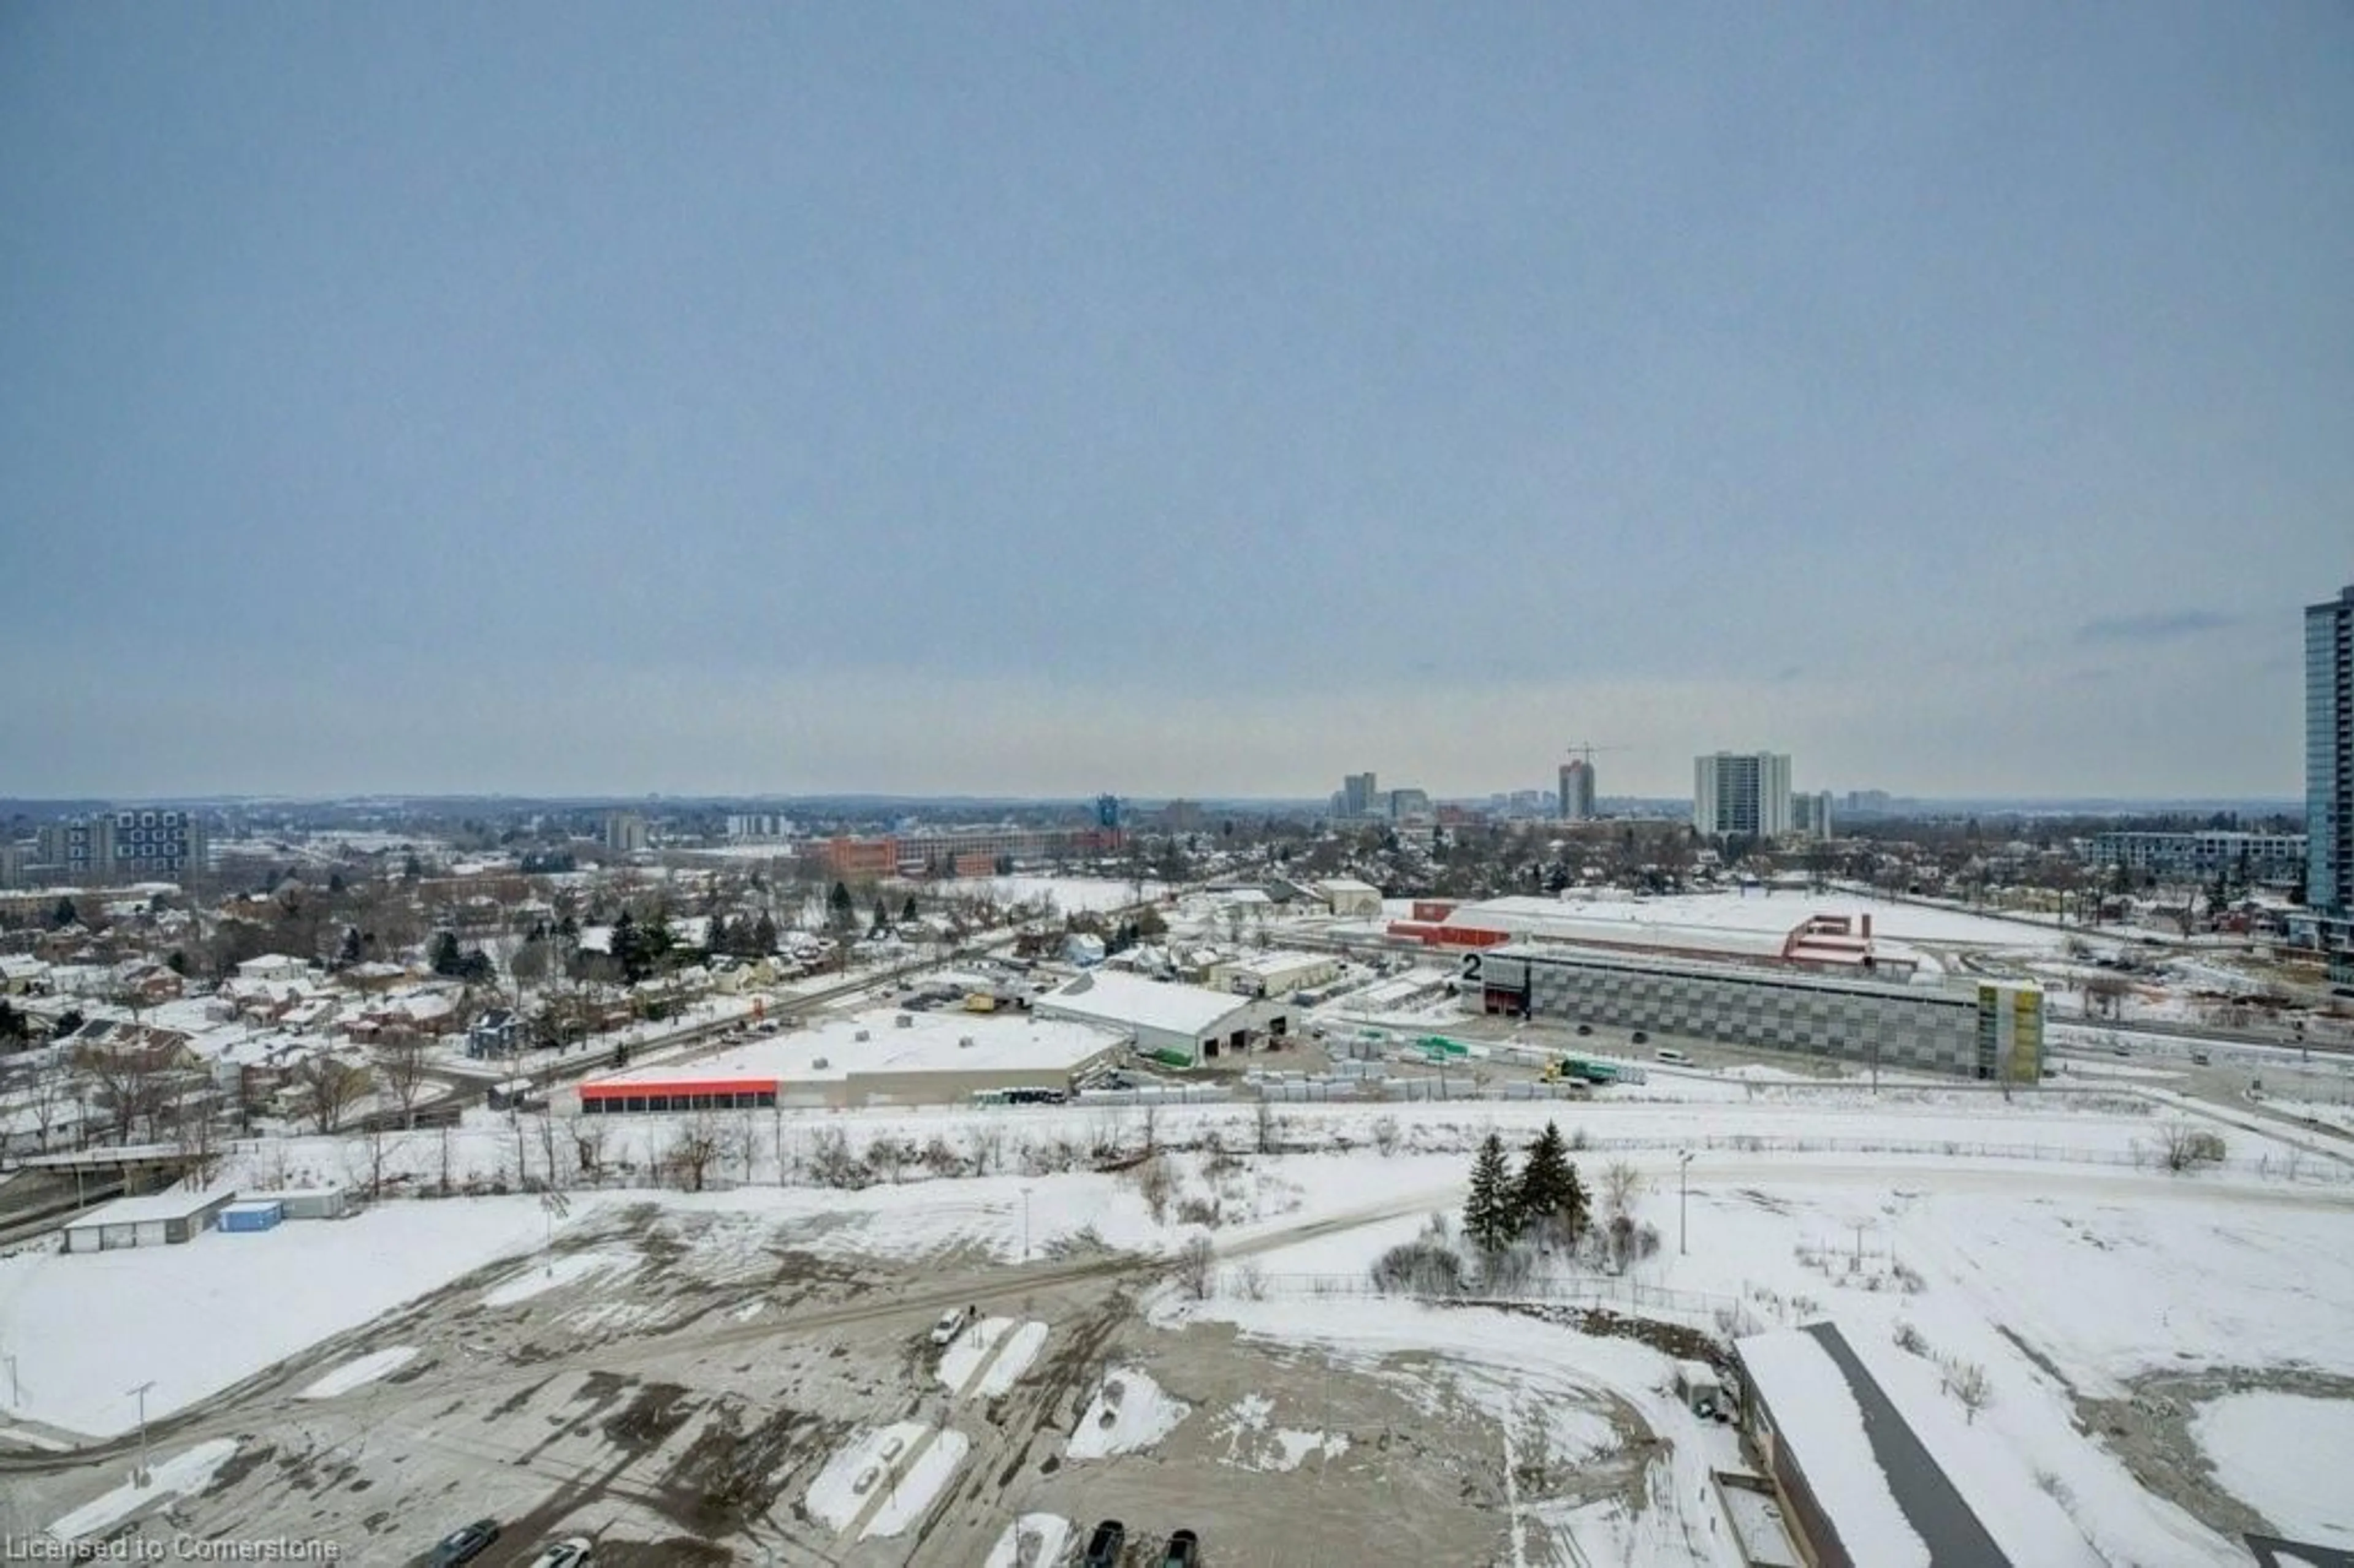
1640	1037
465	1543
951	1324
1184	1549
1670	1053
1106	1545
1585	1029
570	1553
2199	1058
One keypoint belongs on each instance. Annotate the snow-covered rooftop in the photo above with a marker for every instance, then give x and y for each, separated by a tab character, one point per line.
928	1043
155	1206
1128	1002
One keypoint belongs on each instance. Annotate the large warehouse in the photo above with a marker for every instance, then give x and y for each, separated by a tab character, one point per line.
876	1058
1821	943
1164	1018
1964	1030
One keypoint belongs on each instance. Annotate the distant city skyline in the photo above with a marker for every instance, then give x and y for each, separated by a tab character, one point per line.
825	399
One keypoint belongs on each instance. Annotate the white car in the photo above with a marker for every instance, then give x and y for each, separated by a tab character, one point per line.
951	1324
570	1553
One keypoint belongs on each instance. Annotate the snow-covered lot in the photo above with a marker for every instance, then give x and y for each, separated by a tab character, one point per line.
776	1337
199	1317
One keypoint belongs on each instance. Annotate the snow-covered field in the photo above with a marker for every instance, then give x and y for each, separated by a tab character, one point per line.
2286	1455
199	1317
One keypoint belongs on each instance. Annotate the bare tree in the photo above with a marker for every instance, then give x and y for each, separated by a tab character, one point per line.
330	1085
694	1151
47	1092
401	1063
1621	1186
589	1145
1155	1183
132	1081
197	1131
2184	1147
1195	1262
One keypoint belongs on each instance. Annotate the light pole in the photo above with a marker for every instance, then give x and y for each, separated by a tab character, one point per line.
1025	1225
9	1358
139	1476
1684	1199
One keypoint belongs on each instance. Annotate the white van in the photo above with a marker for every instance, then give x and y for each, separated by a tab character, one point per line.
1669	1053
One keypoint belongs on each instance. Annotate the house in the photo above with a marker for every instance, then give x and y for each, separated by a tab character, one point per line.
275	968
22	975
497	1033
1083	948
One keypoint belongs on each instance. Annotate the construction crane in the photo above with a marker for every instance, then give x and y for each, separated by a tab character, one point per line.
1586	749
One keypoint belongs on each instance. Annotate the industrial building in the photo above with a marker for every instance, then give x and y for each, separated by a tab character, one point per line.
1350	899
876	1058
158	1219
1854	1478
1742	793
1981	1030
1273	974
1166	1019
1822	944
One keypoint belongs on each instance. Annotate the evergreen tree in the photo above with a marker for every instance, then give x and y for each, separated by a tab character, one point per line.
628	948
445	956
841	910
721	937
1489	1221
63	914
908	910
1550	1199
11	1027
349	953
764	936
882	926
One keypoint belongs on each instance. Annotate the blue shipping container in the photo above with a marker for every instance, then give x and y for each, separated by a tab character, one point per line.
258	1216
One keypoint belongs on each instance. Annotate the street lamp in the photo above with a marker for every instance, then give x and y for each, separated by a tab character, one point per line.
1683	1198
1025	1225
139	1477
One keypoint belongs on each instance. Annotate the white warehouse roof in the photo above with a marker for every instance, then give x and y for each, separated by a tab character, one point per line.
929	1044
155	1206
1128	1001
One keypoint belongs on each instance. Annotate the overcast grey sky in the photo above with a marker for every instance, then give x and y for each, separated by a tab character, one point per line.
1175	399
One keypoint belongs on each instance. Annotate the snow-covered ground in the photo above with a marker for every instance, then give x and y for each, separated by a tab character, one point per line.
357	1373
182	1474
1014	1358
1032	1540
2286	1455
895	1471
86	1326
963	1357
911	1486
1129	1414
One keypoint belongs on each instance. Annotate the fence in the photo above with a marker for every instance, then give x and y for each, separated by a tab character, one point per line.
1618	1293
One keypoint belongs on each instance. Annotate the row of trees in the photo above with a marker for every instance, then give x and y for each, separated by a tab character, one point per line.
1545	1201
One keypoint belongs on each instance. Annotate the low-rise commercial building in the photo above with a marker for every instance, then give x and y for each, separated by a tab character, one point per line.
1273	974
874	1058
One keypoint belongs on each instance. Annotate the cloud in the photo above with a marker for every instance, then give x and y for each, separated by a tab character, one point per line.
2157	626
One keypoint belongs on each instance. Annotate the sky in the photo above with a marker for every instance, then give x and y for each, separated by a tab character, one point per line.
1169	400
